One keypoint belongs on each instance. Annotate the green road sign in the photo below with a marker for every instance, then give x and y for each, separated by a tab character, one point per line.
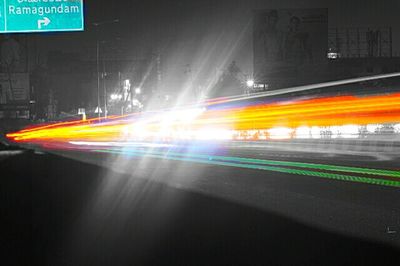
41	15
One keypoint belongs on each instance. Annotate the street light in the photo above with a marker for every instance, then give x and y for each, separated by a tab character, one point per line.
115	97
97	24
138	91
250	83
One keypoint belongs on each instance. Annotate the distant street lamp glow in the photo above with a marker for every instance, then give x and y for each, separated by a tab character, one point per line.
115	97
250	83
138	91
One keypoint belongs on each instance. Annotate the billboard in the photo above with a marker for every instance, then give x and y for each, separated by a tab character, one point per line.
287	39
14	91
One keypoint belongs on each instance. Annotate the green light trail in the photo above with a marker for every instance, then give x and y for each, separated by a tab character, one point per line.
348	169
244	163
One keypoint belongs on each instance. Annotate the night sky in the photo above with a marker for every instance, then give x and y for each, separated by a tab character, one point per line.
160	20
205	34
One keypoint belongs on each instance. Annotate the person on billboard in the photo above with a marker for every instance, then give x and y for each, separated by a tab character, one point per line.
10	54
3	98
5	94
272	38
297	45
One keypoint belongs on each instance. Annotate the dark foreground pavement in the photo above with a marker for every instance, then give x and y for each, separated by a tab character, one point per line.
58	211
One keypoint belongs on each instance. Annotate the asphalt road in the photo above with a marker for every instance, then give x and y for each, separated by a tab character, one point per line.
85	208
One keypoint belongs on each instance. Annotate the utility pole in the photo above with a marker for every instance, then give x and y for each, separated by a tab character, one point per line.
98	75
105	89
159	71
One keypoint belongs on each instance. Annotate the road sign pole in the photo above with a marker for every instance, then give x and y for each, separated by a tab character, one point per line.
97	24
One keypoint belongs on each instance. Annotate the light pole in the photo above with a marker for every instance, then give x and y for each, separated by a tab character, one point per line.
97	25
98	76
249	86
104	75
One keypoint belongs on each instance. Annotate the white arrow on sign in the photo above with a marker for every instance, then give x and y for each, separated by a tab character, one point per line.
43	22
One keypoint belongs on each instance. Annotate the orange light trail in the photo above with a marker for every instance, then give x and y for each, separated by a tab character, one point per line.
319	112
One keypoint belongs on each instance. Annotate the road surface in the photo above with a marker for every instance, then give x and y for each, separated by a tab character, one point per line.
118	207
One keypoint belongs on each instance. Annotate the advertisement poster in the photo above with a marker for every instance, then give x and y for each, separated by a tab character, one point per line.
287	39
14	91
